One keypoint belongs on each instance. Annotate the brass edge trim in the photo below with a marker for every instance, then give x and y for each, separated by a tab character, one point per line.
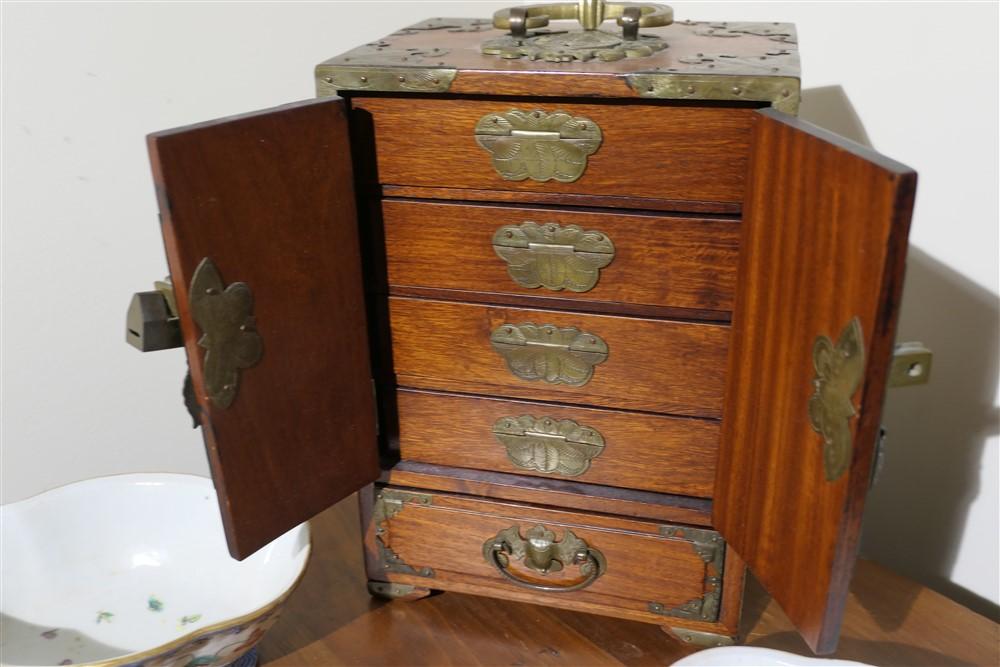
332	78
782	92
210	629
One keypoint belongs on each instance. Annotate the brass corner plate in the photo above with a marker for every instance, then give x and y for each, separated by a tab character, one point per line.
538	145
557	446
553	256
389	503
839	370
549	353
711	548
225	316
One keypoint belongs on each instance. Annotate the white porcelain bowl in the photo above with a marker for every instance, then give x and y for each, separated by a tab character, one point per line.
134	570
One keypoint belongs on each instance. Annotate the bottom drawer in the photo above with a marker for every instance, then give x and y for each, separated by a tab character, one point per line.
666	574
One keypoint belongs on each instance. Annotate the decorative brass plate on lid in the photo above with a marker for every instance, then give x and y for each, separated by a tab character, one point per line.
590	43
839	370
563	446
539	551
229	336
553	256
538	145
546	352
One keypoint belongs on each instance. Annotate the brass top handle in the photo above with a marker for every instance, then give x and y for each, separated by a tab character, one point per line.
590	13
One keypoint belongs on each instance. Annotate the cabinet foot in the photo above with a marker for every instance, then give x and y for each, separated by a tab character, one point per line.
697	637
391	591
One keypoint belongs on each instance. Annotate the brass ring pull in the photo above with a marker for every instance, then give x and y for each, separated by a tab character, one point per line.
590	14
540	552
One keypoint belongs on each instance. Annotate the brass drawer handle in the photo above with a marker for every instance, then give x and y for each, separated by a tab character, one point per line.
540	552
538	145
547	352
553	256
548	445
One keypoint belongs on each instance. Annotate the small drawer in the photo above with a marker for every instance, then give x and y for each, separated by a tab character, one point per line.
664	152
658	453
645	260
627	567
600	360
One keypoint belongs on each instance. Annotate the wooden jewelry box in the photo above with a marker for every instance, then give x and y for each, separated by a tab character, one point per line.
588	317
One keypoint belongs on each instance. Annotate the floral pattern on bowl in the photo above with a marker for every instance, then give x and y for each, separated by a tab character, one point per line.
133	570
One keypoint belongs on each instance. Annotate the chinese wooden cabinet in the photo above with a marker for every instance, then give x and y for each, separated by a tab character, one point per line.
571	296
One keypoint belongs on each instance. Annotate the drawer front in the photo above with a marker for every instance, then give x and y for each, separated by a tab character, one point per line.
600	360
660	152
441	540
650	260
625	449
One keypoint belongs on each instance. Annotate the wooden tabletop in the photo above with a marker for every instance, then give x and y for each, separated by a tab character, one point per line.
331	620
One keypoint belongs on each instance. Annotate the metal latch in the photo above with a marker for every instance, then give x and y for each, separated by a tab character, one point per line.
152	323
911	365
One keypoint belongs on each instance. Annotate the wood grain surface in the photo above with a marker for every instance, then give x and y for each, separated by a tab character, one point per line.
330	620
554	199
671	261
549	491
650	364
824	241
669	152
652	452
447	534
300	434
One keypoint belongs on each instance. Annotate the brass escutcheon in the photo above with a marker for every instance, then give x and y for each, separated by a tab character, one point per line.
225	316
839	370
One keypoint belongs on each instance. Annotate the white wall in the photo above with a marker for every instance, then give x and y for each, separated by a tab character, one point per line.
83	83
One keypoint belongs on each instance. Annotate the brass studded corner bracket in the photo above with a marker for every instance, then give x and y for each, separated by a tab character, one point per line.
330	79
780	92
548	445
538	145
839	371
388	504
547	352
225	316
539	551
588	44
552	256
711	548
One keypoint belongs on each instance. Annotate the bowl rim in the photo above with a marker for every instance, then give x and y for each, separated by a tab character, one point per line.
128	658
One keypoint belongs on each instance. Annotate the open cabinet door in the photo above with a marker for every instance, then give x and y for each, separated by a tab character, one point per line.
823	254
260	228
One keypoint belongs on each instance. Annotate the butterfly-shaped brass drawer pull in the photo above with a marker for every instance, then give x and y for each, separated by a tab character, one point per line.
553	256
538	145
547	352
558	446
